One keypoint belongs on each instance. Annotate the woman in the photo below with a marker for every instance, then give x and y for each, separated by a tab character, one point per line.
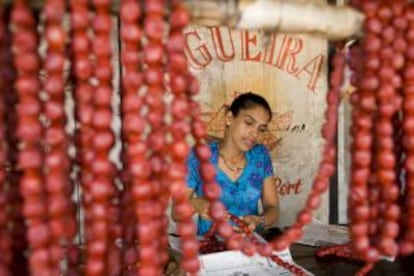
244	168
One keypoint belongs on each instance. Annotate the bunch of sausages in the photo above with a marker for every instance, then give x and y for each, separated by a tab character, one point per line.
155	129
381	193
380	187
374	186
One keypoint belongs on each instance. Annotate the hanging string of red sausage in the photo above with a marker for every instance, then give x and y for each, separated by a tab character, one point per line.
30	132
82	70
132	128
5	235
61	216
101	186
135	128
13	198
155	59
152	252
363	171
179	130
388	102
406	246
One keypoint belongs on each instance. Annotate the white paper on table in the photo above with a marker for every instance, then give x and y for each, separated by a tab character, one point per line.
317	233
235	263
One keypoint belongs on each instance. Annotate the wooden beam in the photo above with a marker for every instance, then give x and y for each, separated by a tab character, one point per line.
332	22
329	21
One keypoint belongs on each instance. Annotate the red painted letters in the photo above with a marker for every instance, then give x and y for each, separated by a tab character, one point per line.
283	52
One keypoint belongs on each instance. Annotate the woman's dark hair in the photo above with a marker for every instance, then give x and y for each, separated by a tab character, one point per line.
248	100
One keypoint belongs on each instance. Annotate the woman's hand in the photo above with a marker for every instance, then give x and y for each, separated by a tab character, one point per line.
201	206
251	221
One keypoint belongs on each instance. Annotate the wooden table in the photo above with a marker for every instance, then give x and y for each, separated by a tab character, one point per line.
304	256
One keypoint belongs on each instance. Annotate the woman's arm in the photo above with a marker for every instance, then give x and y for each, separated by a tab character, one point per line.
270	201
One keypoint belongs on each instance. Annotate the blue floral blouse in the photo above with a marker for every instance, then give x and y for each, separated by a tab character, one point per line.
241	196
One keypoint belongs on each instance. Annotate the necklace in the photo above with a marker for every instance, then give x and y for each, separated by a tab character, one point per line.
230	167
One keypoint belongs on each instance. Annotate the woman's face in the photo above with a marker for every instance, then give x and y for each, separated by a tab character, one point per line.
245	128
